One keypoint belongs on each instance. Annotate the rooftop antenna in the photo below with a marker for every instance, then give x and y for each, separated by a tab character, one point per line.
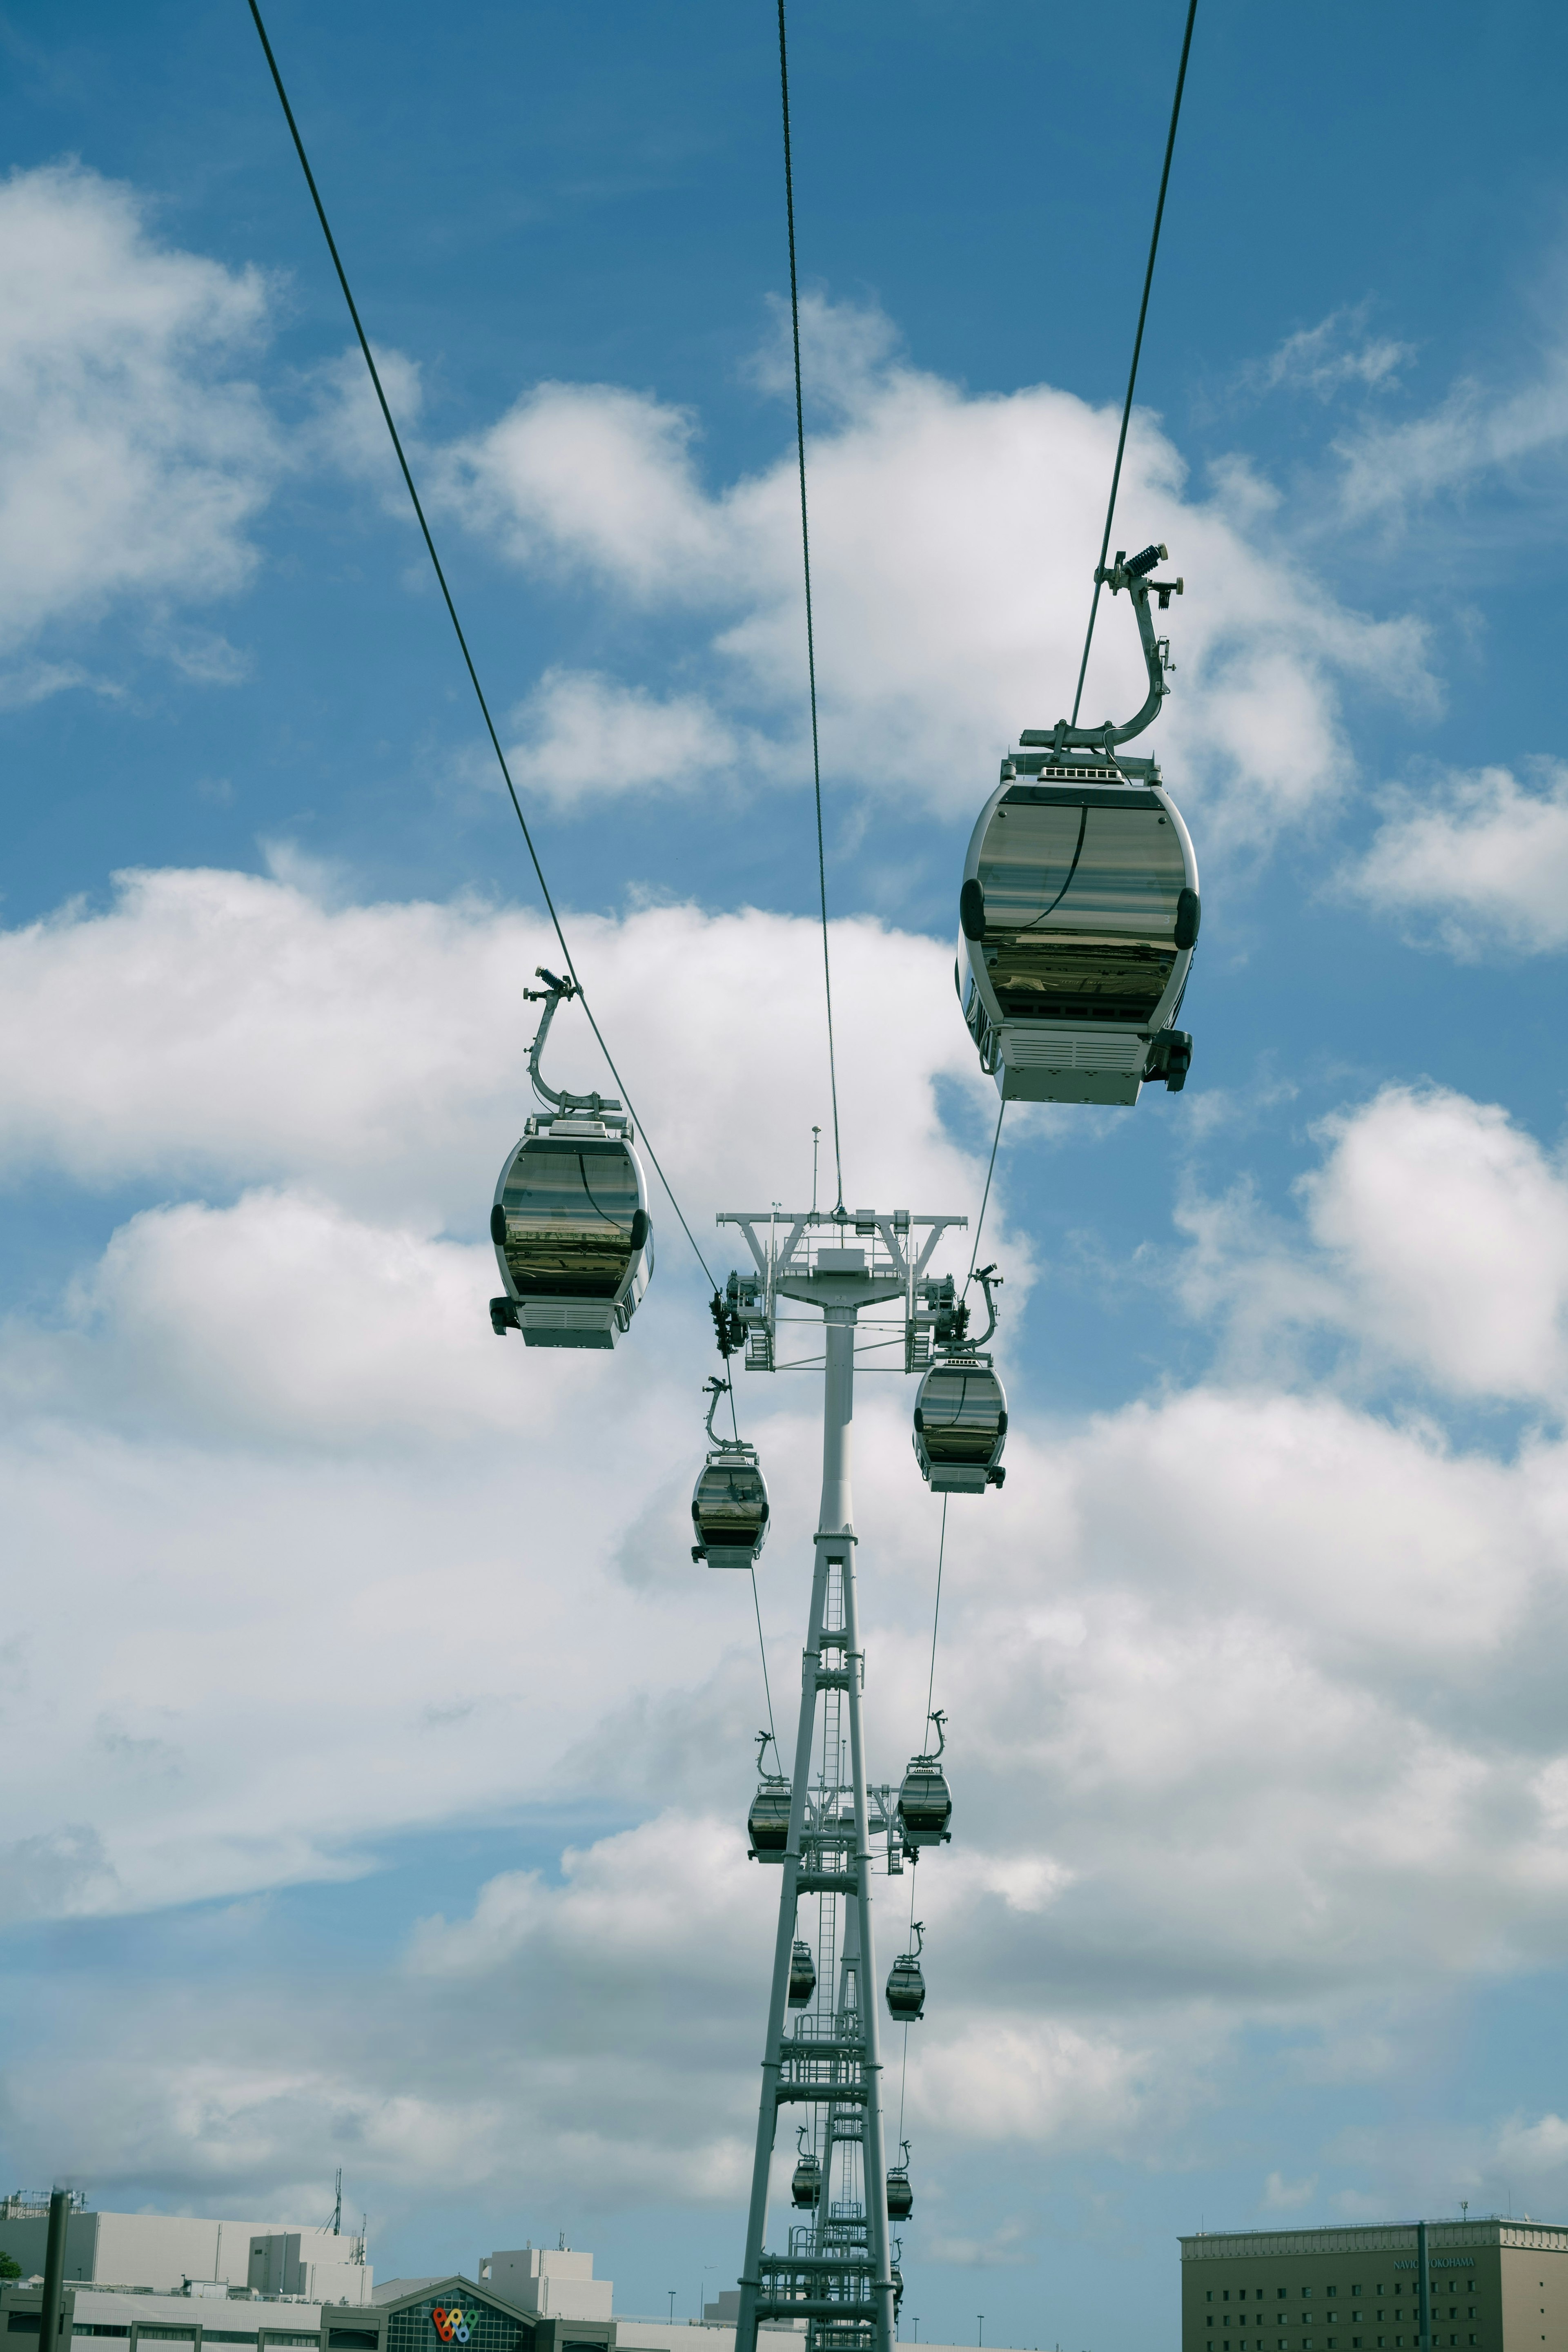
337	2207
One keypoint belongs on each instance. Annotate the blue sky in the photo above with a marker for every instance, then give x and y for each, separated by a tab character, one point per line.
374	1757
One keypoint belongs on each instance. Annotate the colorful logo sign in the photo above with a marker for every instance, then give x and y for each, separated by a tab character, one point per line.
452	2322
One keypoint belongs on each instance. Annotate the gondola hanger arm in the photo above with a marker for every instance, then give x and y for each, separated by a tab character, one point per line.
557	991
1131	572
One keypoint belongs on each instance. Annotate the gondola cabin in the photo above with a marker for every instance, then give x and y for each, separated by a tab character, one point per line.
730	1508
1078	915
767	1824
900	2195
806	2186
924	1803
802	1975
572	1233
906	1988
960	1425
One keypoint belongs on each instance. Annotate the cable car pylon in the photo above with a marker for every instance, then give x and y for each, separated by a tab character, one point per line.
836	2271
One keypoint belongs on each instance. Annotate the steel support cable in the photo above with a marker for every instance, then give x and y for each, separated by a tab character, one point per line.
806	565
763	1648
457	626
936	1618
986	1195
1137	347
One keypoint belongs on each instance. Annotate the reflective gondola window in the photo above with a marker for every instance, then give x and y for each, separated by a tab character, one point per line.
959	1413
570	1210
1081	907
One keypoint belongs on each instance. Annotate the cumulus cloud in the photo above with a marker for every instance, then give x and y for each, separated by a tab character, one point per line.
584	735
1474	861
132	456
1251	1699
1439	1235
227	1029
950	583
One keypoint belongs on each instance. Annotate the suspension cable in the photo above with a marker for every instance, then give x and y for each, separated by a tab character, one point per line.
762	1646
806	563
457	626
985	1197
935	1616
1137	347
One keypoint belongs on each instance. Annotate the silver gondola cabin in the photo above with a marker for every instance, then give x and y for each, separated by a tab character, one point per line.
729	1504
768	1822
960	1425
961	1411
802	1975
571	1224
805	2184
905	1989
1080	907
924	1801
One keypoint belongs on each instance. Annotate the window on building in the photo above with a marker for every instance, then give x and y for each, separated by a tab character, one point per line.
352	2339
1209	2295
1330	2290
25	2323
1281	2293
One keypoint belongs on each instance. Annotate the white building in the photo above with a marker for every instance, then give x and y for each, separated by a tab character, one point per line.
163	2251
550	2280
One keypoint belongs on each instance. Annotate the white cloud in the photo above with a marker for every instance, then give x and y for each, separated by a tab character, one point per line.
132	457
1337	352
1391	470
347	428
952	542
219	1028
1251	1700
282	1319
1451	1225
1439	1247
1282	2196
586	735
1478	859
